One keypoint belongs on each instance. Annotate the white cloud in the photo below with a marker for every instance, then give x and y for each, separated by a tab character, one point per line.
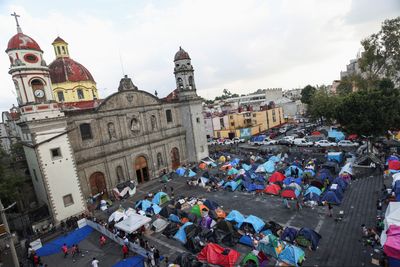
240	45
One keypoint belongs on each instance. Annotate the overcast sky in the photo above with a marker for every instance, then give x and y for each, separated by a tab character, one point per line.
239	45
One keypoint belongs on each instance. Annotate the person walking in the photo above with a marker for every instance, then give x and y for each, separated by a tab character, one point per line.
330	209
286	203
95	262
73	250
156	257
125	251
64	249
102	240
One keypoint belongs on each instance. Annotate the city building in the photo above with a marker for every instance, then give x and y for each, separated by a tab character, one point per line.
80	148
257	98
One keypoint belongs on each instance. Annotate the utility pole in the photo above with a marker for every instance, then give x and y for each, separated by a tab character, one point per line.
4	219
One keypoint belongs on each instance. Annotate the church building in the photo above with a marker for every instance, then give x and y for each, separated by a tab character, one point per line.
78	145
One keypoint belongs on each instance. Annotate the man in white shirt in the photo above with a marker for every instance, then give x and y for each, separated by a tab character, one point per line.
95	262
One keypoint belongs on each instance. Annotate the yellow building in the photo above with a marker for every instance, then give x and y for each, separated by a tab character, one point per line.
71	81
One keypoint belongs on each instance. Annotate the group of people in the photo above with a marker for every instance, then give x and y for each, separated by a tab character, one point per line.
35	259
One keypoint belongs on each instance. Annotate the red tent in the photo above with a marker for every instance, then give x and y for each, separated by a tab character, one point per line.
272	189
276	177
215	254
316	133
394	165
288	193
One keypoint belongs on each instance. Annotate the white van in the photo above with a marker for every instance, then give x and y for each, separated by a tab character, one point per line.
302	142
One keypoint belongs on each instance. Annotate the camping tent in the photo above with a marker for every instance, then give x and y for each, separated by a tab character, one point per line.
232	185
197	209
235	216
212	205
289	180
132	223
335	156
307	237
392	244
289	234
253	223
290	193
331	197
270	245
392	217
250	260
180	171
269	166
396	177
337	135
292	255
347	168
160	198
272	189
181	234
276	177
290	171
215	254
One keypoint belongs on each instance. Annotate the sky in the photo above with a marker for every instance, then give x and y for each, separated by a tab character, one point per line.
234	44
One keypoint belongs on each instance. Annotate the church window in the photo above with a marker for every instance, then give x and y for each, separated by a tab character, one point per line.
80	94
68	200
63	49
31	58
198	120
55	153
168	114
59	50
160	161
120	174
180	83
191	82
60	96
86	131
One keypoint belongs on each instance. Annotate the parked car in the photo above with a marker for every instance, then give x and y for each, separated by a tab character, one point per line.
228	142
302	142
283	130
268	141
347	143
238	140
289	138
211	142
324	143
285	142
220	141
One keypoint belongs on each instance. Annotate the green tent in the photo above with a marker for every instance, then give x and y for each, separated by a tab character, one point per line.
250	260
196	210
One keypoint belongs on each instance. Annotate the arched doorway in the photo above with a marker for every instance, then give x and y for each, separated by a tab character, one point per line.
98	184
142	170
175	158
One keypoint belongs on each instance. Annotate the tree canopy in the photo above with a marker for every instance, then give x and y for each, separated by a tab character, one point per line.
307	94
10	179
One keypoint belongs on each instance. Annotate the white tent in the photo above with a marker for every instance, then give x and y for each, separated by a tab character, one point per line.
392	216
348	167
396	177
132	223
160	224
117	215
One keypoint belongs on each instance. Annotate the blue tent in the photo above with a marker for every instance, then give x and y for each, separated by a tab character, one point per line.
254	222
181	235
289	180
340	182
234	162
313	190
160	198
246	240
292	255
174	218
235	216
246	167
137	261
335	156
143	204
337	135
274	159
233	184
191	173
337	190
291	171
156	208
212	205
312	197
233	171
289	234
331	197
311	172
269	166
310	235
324	174
180	171
251	187
396	188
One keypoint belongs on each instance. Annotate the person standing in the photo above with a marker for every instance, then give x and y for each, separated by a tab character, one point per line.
156	257
286	203
95	262
125	251
330	208
73	250
64	249
102	240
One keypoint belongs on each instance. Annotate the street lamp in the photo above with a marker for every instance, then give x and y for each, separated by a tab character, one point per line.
4	219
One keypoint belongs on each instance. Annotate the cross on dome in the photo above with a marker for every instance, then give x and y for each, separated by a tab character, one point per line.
16	16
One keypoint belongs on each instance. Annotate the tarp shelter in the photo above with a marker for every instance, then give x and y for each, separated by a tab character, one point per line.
392	244
289	234
275	159
337	135
246	167
272	189
392	217
174	218
253	222
307	237
290	180
235	216
335	156
197	209
313	190
347	168
246	240
181	234
215	254
132	223
290	171
232	185
117	215
331	197
160	198
270	245
212	205
276	177
292	255
191	173
159	225
269	166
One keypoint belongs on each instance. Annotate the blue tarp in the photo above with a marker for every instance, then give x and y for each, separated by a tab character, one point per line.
324	174
310	235
233	184
174	218
180	171
330	197
246	240
289	180
235	216
157	197
54	247
313	190
289	234
291	255
251	187
255	222
290	171
191	173
137	261
337	135
234	162
181	235
335	156
143	204
246	167
269	166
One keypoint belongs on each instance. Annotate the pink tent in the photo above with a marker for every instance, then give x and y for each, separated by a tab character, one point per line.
392	245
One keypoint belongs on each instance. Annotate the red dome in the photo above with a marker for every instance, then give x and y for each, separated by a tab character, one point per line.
181	54
65	69
22	41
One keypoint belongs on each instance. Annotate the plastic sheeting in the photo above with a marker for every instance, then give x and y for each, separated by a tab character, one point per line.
132	223
235	216
255	222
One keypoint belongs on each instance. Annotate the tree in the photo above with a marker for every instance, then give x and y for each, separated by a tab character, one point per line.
307	93
381	56
323	106
370	112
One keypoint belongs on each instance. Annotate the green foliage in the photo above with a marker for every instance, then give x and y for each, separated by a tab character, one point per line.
323	106
10	180
381	56
307	94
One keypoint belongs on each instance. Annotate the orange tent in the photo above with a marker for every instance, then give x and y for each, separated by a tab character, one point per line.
202	165
220	213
